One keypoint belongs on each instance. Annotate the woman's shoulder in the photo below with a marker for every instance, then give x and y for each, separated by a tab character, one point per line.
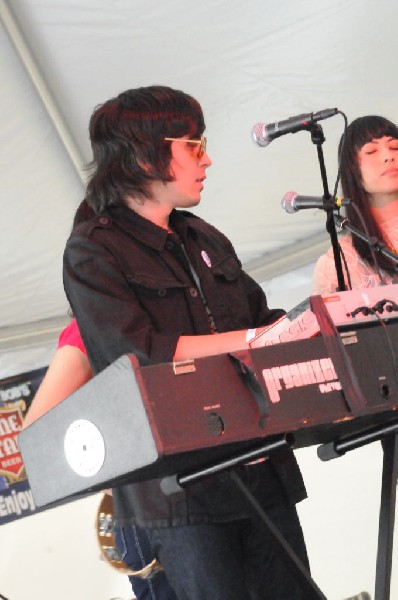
347	247
325	276
346	244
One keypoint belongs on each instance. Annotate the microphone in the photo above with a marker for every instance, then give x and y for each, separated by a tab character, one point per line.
292	202
264	134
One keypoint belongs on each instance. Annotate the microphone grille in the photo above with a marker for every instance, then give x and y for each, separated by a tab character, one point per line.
288	202
259	133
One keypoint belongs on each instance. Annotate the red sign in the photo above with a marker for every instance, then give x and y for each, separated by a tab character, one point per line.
11	464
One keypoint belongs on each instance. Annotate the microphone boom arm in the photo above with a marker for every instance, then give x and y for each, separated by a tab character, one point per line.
372	242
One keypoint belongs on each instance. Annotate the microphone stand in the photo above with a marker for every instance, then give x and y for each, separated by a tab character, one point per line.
372	242
318	138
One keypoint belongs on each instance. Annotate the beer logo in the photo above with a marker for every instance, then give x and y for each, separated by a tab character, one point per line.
11	464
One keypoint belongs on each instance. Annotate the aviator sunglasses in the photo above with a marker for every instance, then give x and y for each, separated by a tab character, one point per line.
202	143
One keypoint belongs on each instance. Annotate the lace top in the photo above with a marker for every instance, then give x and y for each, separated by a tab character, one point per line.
361	272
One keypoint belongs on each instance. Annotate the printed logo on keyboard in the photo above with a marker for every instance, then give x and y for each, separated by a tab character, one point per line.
297	375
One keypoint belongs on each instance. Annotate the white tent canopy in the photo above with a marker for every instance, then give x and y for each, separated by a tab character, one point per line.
259	61
246	62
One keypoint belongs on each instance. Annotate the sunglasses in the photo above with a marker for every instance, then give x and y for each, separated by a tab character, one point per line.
202	143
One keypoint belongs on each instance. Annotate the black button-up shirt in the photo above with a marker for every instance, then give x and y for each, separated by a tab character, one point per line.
132	291
132	288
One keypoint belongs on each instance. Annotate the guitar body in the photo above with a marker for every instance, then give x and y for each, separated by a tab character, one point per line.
106	542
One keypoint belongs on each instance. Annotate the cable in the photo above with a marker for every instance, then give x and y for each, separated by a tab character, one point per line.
376	310
336	185
347	272
389	342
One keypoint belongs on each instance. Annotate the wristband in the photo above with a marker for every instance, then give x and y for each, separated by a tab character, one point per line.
250	335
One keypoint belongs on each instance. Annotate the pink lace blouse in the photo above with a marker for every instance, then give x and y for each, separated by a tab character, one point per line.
361	273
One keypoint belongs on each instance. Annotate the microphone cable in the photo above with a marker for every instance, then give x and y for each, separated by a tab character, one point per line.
376	310
336	186
374	241
385	329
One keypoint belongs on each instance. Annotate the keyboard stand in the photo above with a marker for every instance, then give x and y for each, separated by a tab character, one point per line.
303	575
388	435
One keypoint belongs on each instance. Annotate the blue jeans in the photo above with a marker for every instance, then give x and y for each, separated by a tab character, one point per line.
232	561
133	545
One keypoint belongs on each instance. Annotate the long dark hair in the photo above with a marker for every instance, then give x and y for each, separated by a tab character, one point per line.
127	138
360	132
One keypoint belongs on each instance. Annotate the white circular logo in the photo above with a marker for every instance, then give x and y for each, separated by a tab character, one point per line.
84	448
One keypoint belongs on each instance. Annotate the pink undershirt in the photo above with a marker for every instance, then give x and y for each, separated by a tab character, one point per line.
70	336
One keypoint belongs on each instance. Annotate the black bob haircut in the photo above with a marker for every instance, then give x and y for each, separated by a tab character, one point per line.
360	132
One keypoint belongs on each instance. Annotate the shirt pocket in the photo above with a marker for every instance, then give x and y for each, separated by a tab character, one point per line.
228	299
154	286
163	298
227	268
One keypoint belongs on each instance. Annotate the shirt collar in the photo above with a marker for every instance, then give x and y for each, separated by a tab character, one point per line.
140	228
144	230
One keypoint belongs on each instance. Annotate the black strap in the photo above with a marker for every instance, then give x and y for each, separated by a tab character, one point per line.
248	377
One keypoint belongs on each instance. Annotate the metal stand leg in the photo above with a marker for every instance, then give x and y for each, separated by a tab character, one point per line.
312	590
388	435
304	576
387	517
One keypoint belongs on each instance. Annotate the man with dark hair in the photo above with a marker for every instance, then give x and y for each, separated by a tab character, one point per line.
143	277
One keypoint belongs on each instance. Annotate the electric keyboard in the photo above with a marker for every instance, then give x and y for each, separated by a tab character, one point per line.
132	423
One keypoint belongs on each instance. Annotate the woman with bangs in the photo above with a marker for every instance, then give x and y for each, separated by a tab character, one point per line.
369	178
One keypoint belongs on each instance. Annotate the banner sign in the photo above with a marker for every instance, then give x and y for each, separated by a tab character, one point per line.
16	395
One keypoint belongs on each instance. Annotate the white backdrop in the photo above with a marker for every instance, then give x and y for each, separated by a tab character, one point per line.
245	62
